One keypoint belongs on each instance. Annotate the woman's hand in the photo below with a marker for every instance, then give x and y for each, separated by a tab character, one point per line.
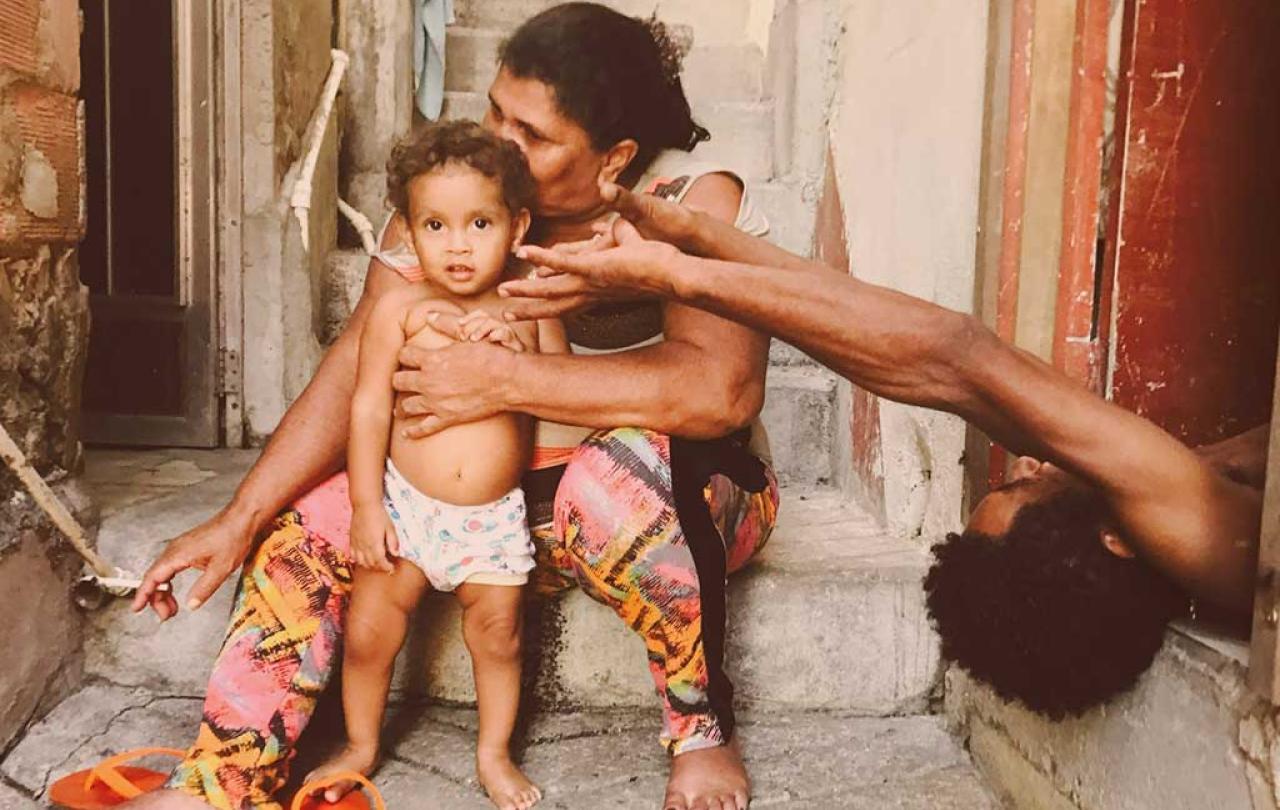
373	538
618	262
445	387
217	547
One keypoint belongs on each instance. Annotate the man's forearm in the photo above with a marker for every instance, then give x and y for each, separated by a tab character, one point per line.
715	239
912	351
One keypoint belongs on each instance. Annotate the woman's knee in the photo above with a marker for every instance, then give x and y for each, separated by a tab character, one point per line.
616	488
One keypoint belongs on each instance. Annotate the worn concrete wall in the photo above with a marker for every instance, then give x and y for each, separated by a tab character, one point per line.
377	98
1190	735
43	340
906	145
285	48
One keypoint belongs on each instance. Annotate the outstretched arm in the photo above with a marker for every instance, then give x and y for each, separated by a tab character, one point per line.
1198	527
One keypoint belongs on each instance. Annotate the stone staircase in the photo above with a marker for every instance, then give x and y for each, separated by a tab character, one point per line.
830	618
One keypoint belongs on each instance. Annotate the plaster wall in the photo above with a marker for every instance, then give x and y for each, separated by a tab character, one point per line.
1189	735
377	98
906	143
285	47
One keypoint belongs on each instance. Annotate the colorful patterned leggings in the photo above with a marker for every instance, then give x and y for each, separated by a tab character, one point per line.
612	528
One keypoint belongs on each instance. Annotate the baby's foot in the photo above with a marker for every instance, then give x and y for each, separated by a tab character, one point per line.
508	788
360	759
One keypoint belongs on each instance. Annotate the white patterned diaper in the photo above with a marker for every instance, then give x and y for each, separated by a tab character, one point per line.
487	544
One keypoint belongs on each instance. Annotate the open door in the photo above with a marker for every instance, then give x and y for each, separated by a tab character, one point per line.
148	253
1194	239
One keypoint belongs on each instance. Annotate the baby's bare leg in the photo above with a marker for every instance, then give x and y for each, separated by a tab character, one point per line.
377	622
491	619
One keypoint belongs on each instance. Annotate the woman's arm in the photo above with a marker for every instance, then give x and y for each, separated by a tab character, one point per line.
306	447
704	380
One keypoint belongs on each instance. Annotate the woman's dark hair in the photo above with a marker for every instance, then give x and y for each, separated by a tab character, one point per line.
618	77
1045	614
432	146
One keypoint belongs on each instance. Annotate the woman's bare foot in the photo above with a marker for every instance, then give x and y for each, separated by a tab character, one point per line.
712	777
508	788
360	759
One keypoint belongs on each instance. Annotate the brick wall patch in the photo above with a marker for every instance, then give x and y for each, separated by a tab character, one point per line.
19	47
48	207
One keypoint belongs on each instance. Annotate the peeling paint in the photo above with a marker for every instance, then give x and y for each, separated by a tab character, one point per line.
39	184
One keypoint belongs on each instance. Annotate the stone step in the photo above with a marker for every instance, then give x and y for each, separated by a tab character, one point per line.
584	760
741	132
799	413
730	72
711	21
830	589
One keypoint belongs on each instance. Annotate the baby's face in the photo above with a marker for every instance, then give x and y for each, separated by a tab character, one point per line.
461	229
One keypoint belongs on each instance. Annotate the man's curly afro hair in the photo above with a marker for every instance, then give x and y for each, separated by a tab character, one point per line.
1045	614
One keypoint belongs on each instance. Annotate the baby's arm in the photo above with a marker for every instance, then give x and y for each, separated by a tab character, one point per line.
372	534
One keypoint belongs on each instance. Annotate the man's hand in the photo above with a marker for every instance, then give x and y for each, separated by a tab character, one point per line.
619	263
217	547
373	538
450	386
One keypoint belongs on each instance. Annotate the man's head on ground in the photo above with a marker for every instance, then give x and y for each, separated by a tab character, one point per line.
465	196
1042	599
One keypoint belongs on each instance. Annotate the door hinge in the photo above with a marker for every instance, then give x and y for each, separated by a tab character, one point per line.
229	372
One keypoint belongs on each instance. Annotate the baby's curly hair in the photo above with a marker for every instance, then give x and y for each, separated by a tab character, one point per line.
1046	615
433	146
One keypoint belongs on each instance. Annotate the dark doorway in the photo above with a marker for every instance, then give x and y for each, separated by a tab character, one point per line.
147	253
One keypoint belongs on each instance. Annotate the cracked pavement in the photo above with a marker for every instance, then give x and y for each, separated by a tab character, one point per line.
588	759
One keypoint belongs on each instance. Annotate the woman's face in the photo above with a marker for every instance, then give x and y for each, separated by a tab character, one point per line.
564	163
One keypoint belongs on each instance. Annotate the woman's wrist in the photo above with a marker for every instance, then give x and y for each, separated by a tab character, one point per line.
248	517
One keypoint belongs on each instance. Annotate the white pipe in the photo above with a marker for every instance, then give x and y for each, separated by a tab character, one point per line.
362	225
300	198
48	501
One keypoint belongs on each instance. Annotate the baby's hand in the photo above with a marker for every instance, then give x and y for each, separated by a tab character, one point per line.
478	325
373	539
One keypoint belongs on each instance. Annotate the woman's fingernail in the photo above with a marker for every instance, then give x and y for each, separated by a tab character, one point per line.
508	316
503	292
192	604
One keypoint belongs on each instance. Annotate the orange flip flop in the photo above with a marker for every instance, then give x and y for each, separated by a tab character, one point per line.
307	798
110	782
